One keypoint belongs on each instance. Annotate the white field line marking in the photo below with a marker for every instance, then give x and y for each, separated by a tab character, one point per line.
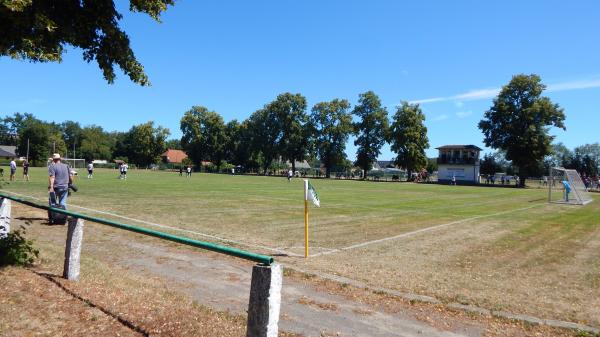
403	235
170	227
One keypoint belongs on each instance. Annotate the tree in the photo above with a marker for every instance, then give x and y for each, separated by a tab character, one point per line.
204	136
12	128
264	135
144	143
586	159
408	136
371	130
332	125
173	144
289	113
489	165
96	144
519	121
39	30
43	139
71	133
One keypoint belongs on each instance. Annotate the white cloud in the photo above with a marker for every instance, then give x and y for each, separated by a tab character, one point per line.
464	114
478	94
459	104
440	118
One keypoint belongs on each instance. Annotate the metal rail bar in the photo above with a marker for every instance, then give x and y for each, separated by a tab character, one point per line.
264	259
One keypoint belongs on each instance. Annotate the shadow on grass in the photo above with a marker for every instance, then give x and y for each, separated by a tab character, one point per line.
123	321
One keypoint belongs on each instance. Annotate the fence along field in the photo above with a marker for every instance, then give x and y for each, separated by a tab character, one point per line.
500	248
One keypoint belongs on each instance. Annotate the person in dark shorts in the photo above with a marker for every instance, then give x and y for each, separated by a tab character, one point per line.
90	168
26	170
181	171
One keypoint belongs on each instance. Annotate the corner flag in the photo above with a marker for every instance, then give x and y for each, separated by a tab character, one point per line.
310	194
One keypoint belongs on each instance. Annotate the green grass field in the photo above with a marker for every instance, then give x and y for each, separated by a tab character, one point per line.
501	248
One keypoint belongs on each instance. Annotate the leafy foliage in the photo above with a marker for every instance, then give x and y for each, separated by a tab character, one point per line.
15	249
39	30
332	123
144	143
288	112
518	122
204	136
371	129
408	136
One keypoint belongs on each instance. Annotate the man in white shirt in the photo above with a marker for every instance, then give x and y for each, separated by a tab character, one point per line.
90	168
13	169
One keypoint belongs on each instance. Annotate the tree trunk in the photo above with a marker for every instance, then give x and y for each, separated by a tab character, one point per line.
293	166
327	172
522	181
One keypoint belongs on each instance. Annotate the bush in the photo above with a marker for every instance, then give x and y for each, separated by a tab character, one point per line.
15	249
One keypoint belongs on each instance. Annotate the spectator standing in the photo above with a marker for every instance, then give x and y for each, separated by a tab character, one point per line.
59	179
26	170
13	169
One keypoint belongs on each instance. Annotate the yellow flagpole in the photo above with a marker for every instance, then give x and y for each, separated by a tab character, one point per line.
305	228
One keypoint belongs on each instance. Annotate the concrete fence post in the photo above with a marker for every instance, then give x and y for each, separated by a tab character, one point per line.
4	217
73	249
265	301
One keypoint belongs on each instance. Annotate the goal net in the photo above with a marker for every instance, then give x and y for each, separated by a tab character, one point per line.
565	186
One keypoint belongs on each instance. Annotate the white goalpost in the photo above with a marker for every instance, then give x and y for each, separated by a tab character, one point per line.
75	163
566	187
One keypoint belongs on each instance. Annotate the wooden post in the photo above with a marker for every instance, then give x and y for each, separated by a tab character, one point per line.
4	217
265	301
73	249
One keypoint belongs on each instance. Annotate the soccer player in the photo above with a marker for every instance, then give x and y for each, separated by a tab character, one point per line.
26	170
289	175
125	167
90	168
188	172
13	169
567	189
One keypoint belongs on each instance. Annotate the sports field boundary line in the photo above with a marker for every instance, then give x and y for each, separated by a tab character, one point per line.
422	230
214	237
450	305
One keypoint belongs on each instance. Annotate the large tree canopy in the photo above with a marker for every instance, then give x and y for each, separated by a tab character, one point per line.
40	30
408	137
332	123
519	121
371	130
204	136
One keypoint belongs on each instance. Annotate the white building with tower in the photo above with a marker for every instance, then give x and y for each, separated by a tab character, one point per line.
460	162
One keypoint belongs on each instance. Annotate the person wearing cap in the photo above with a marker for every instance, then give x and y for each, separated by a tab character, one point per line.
59	179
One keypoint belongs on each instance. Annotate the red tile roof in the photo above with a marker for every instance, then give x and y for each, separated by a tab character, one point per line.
174	156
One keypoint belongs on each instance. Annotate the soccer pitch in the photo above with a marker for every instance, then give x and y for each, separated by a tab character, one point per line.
500	248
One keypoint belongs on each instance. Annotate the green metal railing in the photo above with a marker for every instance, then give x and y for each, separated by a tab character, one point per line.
264	259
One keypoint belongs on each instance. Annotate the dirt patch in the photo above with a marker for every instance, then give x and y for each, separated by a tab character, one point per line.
323	306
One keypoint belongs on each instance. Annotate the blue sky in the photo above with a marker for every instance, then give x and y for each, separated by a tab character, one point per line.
233	57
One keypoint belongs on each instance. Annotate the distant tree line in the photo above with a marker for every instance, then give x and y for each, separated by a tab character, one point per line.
283	129
142	144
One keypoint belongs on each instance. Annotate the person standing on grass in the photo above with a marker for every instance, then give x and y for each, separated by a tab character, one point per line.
181	171
125	167
453	180
26	170
90	168
567	187
188	172
59	179
289	175
13	169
